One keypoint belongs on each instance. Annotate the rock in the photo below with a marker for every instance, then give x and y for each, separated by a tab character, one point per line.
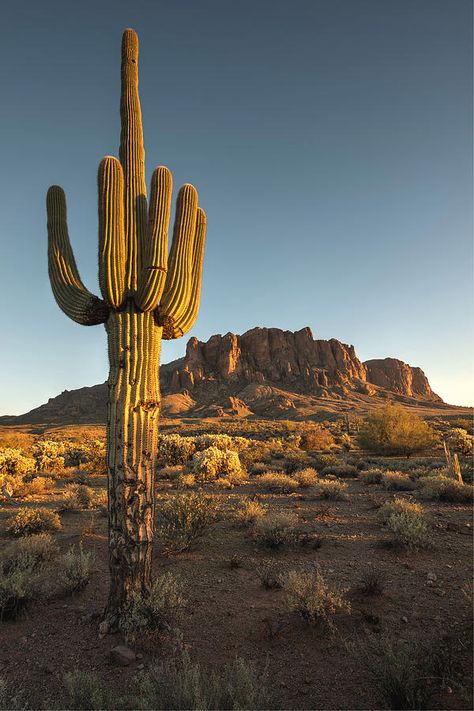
431	576
123	655
405	619
399	377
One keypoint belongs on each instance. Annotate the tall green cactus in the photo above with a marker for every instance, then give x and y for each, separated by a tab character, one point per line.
146	296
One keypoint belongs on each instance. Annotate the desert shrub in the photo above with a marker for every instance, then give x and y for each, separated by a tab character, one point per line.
48	455
293	461
460	441
395	430
306	478
372	476
18	585
175	449
256	452
372	582
185	518
346	442
97	457
74	570
80	496
20	487
332	489
316	439
397	506
396	481
258	468
171	472
151	619
15	463
401	671
177	683
29	521
341	470
221	441
29	552
84	691
249	511
276	482
270	574
408	530
443	488
325	460
11	697
186	481
276	530
308	594
212	463
75	454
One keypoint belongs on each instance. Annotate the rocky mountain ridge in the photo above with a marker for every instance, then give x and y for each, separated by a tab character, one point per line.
265	372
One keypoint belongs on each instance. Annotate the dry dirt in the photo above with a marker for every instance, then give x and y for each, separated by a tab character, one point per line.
230	614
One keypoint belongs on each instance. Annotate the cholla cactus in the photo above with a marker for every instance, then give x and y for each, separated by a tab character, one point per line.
146	296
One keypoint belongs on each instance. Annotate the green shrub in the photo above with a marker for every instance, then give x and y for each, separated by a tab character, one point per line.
249	511
29	521
185	518
29	552
277	483
276	530
211	463
174	449
306	478
372	476
443	488
74	570
397	506
341	470
178	683
148	620
401	671
14	463
48	455
408	531
18	585
308	594
84	691
80	496
396	481
332	489
270	574
394	430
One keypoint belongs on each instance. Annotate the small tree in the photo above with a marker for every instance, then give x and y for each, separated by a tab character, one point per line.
459	440
394	430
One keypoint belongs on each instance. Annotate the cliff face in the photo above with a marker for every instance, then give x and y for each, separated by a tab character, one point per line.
294	360
398	377
265	372
269	355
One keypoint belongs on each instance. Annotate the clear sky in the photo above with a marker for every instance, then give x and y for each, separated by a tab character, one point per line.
331	144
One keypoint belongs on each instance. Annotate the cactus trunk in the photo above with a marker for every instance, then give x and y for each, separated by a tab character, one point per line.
134	342
147	295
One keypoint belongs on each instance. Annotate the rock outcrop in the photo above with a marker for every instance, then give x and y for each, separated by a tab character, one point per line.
399	377
265	372
294	360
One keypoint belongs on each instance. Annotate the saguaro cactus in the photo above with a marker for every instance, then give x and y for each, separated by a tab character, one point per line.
146	296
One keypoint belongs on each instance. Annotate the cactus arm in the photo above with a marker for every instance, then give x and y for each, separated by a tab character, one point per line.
70	293
185	321
132	158
153	276
111	232
178	279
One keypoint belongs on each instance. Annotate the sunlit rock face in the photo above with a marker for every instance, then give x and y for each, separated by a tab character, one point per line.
399	377
296	360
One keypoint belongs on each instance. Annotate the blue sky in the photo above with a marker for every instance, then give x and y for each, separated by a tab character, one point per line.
331	144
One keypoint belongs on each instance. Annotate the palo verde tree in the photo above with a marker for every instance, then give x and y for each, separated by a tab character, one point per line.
147	295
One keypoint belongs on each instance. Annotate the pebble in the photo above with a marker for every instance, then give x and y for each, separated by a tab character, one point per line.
405	619
431	576
122	655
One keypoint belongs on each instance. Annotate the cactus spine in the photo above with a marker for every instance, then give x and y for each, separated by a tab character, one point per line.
146	296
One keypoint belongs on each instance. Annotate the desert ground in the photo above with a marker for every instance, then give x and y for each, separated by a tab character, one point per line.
386	542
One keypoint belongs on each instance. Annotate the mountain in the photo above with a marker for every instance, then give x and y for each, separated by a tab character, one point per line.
265	372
